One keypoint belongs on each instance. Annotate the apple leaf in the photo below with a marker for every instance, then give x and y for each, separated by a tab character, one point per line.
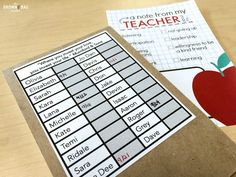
223	60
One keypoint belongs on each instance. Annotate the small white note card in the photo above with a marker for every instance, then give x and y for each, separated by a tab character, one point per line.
176	39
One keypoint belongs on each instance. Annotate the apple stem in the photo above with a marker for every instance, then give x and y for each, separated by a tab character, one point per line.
217	67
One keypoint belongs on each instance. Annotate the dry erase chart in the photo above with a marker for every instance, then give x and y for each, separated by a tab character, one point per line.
100	109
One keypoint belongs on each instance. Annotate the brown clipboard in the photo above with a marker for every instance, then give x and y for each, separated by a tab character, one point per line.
199	149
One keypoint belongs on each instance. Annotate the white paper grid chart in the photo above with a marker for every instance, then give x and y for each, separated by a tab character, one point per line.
175	38
100	109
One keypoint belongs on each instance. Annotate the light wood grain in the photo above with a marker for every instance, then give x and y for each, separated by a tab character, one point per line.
50	24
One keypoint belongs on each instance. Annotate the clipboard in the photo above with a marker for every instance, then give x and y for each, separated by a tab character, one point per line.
96	107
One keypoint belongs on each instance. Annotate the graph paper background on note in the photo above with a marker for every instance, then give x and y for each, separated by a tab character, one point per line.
168	44
175	38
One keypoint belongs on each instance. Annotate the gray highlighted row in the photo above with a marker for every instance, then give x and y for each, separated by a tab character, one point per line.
98	111
136	77
167	109
74	79
81	96
64	66
69	72
159	100
106	46
120	140
176	118
116	58
144	84
112	130
91	102
111	52
123	64
79	86
105	120
150	92
130	150
130	70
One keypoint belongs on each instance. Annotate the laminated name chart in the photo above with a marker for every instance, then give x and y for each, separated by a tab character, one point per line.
99	107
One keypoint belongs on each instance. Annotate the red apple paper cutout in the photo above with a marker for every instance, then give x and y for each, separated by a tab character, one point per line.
216	91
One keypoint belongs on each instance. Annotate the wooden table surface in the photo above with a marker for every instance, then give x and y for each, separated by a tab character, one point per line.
49	24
